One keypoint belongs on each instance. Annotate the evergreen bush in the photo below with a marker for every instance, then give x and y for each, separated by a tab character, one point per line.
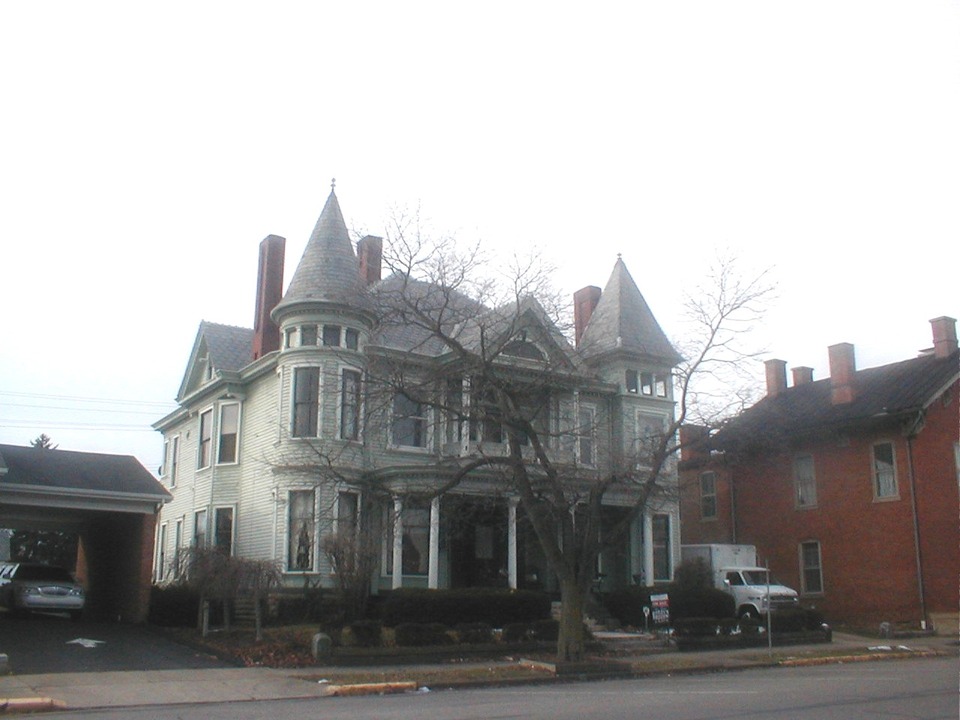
495	607
422	634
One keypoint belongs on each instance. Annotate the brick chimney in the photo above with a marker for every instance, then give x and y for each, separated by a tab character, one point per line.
802	375
370	251
694	442
776	377
843	368
584	303
266	334
944	336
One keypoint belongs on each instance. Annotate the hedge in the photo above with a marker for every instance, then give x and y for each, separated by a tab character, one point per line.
627	603
492	606
422	634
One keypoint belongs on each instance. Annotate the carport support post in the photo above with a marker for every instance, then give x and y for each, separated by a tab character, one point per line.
205	617
512	542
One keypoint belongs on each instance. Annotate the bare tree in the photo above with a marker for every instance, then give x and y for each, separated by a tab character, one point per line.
473	363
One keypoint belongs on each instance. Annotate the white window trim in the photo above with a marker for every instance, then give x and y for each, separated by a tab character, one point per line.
427	430
589	433
212	523
877	497
803	568
213	437
360	410
796	483
293	401
287	570
236	451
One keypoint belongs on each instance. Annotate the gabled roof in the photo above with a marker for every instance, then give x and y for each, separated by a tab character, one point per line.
622	321
67	472
888	393
328	272
462	319
227	348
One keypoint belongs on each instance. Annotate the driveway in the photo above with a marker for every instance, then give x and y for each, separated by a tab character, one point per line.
55	644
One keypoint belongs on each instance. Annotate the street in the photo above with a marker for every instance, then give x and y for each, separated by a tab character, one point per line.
916	689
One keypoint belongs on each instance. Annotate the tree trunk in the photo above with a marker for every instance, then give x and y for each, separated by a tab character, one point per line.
571	644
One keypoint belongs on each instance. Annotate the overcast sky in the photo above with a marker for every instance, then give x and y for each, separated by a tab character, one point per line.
147	148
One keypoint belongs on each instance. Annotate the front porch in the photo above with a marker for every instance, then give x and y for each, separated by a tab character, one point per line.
461	540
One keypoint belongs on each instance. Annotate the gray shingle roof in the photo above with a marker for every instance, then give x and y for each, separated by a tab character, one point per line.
622	320
230	347
882	394
69	470
329	271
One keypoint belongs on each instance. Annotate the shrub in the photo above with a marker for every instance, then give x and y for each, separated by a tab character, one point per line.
367	633
626	604
795	620
474	633
516	632
422	634
700	602
492	606
174	606
545	630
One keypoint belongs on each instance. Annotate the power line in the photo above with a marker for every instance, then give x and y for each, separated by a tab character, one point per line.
83	409
79	398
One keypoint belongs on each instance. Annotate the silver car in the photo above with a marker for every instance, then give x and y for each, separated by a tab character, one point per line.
44	588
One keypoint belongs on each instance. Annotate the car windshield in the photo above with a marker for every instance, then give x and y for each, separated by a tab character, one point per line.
759	577
42	572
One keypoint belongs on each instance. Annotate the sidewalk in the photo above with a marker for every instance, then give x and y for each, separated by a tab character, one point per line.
634	656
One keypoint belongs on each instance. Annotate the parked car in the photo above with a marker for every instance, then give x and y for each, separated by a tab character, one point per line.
46	588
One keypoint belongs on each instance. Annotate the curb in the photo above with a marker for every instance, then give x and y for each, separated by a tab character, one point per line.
26	705
387	688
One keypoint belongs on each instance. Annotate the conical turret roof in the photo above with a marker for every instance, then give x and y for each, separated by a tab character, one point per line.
623	321
328	273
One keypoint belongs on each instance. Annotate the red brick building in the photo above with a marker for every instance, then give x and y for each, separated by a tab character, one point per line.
848	486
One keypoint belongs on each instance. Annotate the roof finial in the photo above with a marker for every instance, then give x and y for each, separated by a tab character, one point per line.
333	184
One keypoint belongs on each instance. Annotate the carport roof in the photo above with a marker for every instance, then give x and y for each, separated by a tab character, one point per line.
70	474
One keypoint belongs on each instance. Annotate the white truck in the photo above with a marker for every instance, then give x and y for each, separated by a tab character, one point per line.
734	570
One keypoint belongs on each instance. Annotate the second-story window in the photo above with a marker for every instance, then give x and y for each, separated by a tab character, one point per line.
708	495
409	425
205	439
804	481
229	433
306	401
350	405
585	435
884	471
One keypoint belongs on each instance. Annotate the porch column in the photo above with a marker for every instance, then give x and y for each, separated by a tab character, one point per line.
647	549
397	543
636	551
433	572
512	542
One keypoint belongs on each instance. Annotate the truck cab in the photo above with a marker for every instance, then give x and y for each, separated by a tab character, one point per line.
753	594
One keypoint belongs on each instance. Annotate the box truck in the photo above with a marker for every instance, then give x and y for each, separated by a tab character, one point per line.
734	570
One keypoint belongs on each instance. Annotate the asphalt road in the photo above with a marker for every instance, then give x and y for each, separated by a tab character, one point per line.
922	689
55	644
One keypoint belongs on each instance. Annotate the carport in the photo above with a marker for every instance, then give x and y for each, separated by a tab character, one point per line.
110	501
